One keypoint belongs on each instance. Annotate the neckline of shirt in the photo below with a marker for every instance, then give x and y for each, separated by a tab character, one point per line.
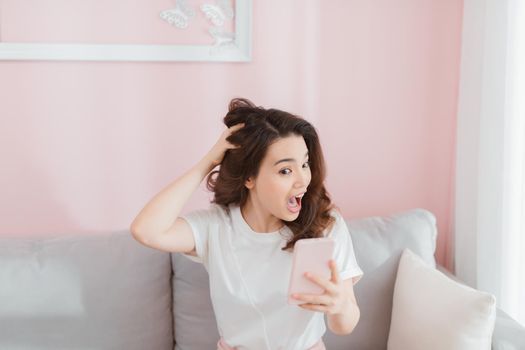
247	230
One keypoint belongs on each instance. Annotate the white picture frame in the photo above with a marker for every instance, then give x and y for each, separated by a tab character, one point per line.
239	51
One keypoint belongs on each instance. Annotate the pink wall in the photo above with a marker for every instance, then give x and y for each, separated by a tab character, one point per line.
84	145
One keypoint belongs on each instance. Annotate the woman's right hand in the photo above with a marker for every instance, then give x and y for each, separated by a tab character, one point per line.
216	154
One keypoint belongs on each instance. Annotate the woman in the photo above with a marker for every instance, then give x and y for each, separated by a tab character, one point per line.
268	194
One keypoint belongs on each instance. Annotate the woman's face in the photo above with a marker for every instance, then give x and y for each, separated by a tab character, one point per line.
284	174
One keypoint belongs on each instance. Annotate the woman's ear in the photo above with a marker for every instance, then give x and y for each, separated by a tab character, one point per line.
249	183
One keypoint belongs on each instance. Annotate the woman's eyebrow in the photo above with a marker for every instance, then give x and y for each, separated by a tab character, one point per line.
288	159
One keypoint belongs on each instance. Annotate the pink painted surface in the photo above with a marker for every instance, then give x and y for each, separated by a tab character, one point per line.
102	22
84	145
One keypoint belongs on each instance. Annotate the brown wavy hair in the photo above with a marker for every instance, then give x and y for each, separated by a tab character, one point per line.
262	127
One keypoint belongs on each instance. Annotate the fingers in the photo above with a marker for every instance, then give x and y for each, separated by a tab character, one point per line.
230	131
326	284
335	272
236	126
313	299
313	307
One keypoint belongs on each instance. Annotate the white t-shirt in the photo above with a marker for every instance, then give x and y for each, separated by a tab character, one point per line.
249	276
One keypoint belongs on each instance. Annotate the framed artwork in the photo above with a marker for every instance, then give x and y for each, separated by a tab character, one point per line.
126	30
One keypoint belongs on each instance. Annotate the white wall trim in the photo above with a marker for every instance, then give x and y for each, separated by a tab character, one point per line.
239	52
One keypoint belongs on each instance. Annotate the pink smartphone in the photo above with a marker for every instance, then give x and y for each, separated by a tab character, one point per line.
310	255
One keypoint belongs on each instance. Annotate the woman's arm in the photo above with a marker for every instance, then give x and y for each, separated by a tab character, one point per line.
345	322
161	212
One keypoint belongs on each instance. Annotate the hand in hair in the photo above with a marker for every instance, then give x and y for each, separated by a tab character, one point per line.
216	154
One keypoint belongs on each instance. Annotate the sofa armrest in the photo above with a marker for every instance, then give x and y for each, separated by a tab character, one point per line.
508	334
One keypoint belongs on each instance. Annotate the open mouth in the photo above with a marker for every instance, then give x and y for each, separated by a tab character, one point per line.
294	202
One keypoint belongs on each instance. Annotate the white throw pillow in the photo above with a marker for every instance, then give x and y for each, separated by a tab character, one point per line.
431	311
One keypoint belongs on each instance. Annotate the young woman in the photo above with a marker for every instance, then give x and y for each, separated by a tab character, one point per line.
268	194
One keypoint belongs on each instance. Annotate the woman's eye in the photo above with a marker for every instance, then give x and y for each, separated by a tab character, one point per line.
282	171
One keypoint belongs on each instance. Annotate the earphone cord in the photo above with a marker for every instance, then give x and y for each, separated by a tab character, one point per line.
251	300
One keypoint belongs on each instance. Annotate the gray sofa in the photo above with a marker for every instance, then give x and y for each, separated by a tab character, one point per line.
104	290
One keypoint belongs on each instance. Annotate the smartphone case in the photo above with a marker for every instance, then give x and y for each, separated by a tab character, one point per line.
310	255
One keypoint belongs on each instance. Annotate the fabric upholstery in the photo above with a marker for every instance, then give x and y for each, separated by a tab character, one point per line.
84	291
378	243
433	312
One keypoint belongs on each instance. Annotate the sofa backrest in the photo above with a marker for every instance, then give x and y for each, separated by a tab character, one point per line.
84	291
106	290
378	243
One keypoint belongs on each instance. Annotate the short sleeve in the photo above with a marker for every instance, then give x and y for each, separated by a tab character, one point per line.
344	253
201	222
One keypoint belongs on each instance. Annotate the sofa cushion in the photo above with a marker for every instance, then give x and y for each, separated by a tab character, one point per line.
432	312
378	244
193	316
84	291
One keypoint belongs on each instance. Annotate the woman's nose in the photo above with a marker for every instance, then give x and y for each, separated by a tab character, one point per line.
302	179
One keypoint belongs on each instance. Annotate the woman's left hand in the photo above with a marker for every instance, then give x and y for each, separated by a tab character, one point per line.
335	298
